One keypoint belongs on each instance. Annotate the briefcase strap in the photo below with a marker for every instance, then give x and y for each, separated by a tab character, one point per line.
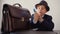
17	4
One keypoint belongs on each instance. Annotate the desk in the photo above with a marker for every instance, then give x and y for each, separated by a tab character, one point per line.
34	32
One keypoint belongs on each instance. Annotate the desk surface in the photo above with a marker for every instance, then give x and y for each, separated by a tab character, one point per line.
34	32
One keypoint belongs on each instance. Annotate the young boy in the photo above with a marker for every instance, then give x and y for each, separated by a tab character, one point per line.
40	20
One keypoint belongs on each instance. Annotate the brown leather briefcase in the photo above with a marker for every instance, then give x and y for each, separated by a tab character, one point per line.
15	18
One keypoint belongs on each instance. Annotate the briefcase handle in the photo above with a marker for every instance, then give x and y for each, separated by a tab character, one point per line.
17	4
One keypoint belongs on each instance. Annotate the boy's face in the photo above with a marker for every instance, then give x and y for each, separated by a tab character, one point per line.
41	9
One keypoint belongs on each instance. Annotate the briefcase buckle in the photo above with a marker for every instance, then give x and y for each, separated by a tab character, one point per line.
22	19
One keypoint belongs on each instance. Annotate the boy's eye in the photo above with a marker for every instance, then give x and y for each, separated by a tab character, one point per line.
39	7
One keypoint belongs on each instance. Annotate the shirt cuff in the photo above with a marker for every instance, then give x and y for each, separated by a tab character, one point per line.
34	21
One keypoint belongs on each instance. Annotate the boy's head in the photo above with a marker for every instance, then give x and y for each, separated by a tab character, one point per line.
42	7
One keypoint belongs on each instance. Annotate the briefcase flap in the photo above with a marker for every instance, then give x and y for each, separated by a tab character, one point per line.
17	11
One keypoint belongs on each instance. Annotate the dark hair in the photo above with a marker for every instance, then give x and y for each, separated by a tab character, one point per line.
43	3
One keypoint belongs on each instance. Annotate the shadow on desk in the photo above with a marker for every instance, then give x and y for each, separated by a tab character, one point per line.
33	32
